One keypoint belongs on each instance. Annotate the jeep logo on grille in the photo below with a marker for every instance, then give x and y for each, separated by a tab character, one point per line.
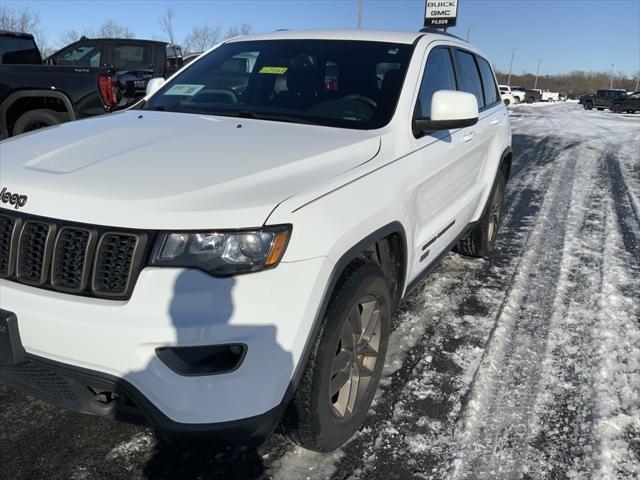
15	199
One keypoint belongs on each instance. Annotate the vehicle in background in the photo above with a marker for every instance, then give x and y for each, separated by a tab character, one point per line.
508	98
563	97
533	95
518	93
190	57
89	77
629	103
539	95
602	99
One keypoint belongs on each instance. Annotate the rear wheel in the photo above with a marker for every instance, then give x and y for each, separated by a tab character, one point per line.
482	239
516	100
588	105
35	119
507	102
616	108
345	365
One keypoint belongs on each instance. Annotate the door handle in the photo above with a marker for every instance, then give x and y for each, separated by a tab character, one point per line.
469	136
496	121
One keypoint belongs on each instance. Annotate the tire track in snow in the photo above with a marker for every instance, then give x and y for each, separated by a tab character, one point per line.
496	419
561	441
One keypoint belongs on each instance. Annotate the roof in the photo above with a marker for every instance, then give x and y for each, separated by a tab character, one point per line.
15	34
119	39
388	36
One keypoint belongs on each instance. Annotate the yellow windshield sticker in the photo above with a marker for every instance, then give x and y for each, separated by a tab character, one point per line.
274	70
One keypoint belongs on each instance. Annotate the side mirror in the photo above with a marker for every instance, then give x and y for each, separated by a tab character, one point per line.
450	109
154	85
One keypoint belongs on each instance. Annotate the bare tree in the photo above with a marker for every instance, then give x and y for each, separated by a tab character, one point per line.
23	20
202	38
70	36
237	30
575	83
112	29
166	25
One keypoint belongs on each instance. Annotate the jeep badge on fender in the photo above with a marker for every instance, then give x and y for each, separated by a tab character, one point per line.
15	199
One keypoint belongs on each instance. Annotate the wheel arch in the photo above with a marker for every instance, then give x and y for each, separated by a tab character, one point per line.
24	94
506	160
391	230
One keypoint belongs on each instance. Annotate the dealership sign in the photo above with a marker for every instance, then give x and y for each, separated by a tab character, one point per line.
441	13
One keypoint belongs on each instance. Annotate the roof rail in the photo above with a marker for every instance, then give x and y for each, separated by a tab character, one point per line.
439	32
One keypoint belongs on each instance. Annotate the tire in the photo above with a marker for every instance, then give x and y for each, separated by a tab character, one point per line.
616	108
588	105
35	119
315	419
507	102
516	100
481	241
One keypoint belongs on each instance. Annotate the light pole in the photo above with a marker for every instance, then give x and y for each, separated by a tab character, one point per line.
637	82
537	72
359	22
469	31
513	54
611	82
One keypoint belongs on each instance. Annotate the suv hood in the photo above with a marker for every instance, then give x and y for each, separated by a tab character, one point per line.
160	170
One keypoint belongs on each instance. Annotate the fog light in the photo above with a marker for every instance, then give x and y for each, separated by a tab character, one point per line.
203	360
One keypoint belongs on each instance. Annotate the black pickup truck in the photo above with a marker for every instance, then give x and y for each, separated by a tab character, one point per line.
88	77
626	103
601	99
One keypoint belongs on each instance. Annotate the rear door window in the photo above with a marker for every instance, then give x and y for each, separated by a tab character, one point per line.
18	50
438	75
469	76
85	55
488	82
132	56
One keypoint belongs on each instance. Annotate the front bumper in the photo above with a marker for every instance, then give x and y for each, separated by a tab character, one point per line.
114	342
83	390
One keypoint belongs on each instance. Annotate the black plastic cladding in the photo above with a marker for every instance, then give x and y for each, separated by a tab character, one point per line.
74	258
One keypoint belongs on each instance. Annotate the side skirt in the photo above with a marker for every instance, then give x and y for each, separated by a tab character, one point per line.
436	261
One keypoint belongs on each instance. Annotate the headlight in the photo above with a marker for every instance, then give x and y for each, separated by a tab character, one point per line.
222	253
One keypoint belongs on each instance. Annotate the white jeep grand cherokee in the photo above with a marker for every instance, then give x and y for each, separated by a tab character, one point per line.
226	255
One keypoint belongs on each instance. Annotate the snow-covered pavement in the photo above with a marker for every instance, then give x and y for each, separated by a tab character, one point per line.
526	365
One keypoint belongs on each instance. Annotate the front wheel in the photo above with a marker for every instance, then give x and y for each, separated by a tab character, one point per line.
506	102
516	100
588	105
616	108
482	239
345	365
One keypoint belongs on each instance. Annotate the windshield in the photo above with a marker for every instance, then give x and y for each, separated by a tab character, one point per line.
349	84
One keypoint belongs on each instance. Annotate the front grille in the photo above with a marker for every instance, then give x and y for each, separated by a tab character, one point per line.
72	258
33	252
73	252
9	227
115	258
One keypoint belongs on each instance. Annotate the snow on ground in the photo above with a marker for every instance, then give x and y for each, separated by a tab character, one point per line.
522	366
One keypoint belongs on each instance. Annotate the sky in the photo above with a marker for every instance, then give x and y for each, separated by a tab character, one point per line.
567	34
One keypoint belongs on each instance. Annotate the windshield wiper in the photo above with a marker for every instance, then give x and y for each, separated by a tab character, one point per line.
276	117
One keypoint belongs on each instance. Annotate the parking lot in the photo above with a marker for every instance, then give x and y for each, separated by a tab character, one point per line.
525	365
